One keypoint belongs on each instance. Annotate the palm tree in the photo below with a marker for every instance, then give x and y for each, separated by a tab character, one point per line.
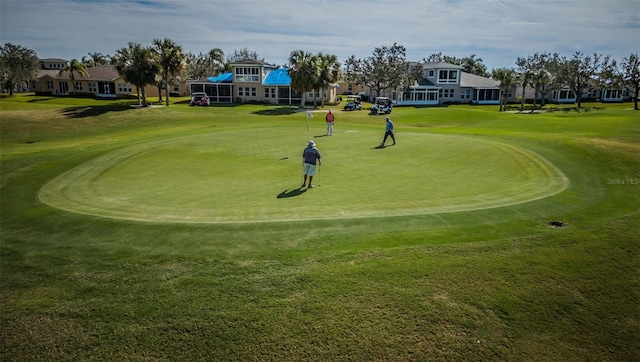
75	66
171	61
215	61
506	77
540	78
524	77
328	71
138	66
302	72
94	59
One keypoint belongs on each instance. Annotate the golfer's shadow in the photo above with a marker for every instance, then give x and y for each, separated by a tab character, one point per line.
291	193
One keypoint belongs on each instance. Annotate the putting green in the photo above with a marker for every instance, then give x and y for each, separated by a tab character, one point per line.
255	175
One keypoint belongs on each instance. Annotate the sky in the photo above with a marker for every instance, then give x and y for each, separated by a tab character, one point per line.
496	31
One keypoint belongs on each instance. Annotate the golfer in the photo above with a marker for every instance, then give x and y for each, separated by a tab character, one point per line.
388	132
309	157
330	118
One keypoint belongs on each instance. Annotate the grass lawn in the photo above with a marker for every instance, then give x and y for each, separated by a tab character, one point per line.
182	233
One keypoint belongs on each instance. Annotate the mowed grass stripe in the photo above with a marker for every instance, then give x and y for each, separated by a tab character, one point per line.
255	176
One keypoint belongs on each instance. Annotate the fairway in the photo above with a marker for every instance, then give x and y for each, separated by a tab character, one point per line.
255	176
182	233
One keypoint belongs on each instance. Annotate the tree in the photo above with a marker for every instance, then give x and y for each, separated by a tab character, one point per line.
469	64
95	59
352	72
630	73
507	78
18	66
386	68
75	67
416	73
582	72
328	71
540	78
137	65
474	66
244	54
524	73
171	61
215	61
303	72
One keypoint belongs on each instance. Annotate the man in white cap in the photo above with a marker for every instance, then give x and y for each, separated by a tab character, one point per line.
309	157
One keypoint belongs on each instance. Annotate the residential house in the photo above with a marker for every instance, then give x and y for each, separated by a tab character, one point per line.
448	83
103	81
53	63
255	81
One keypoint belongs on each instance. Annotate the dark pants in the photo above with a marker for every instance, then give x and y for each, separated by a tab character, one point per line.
387	134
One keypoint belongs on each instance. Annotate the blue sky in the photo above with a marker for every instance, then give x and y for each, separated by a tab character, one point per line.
497	31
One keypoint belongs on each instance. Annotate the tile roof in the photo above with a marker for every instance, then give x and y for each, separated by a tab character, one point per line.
440	65
101	73
475	81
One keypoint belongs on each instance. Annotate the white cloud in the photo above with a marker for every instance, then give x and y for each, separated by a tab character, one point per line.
498	31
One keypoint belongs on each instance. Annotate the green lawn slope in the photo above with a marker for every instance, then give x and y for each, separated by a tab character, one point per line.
181	233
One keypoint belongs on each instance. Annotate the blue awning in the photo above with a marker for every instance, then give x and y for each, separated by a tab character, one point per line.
278	77
222	78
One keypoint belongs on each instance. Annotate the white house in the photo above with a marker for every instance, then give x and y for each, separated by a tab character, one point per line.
448	83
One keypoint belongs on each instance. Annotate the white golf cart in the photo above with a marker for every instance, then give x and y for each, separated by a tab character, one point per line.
382	105
353	103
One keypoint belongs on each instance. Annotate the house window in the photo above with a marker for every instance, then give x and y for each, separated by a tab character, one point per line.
49	84
432	73
93	87
446	93
448	76
254	92
466	94
247	74
269	93
124	87
78	86
64	87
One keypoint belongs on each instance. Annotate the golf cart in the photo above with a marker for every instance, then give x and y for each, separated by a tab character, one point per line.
199	99
353	103
383	105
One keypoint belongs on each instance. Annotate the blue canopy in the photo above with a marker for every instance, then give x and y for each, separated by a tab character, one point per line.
278	77
222	78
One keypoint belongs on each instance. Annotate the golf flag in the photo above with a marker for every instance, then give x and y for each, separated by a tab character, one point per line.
309	115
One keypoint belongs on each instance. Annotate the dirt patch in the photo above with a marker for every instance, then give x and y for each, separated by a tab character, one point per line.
557	224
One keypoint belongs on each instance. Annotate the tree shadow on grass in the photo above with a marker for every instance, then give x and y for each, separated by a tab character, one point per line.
93	111
291	193
280	111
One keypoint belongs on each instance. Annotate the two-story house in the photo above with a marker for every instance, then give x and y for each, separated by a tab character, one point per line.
448	83
255	81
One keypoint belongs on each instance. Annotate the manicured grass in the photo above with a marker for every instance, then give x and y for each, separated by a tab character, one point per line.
490	282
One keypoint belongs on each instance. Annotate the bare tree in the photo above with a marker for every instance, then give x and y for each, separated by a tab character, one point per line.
630	72
581	72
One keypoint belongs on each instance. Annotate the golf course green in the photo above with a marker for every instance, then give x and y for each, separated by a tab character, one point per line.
182	233
253	175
